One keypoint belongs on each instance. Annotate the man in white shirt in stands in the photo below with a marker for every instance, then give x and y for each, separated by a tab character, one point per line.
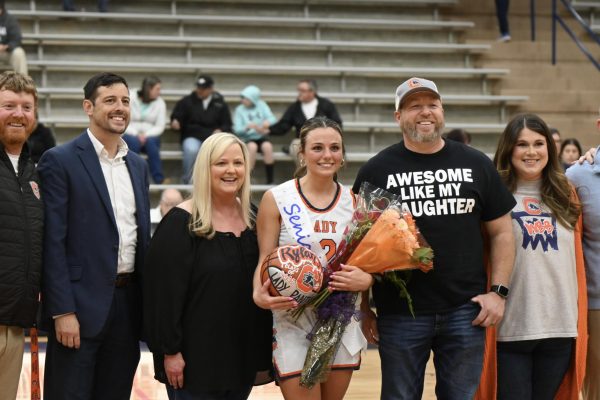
308	105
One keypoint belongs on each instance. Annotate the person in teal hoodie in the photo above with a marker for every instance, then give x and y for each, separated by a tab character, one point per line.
251	123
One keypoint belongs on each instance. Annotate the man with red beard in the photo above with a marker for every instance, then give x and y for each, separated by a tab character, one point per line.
452	190
21	231
96	233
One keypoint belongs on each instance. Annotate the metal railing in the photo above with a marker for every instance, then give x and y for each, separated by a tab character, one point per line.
560	20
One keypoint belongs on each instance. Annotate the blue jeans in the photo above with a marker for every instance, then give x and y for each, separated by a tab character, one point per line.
182	394
152	149
190	147
532	369
405	344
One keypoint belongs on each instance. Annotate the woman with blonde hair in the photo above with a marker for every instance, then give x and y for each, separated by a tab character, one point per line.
209	339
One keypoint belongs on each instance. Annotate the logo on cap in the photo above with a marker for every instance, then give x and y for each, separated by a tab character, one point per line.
414	83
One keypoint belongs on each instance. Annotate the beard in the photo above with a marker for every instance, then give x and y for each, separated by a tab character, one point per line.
410	129
10	138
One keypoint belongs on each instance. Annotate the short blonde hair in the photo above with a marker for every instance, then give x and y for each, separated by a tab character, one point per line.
201	223
18	83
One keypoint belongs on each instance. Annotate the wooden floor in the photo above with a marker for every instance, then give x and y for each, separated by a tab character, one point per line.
364	386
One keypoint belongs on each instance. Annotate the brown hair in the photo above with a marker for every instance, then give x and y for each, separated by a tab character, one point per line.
556	190
18	83
309	126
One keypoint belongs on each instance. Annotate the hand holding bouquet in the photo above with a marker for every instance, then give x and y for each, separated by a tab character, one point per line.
380	239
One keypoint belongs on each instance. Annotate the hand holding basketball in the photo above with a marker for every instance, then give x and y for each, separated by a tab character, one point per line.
263	298
293	272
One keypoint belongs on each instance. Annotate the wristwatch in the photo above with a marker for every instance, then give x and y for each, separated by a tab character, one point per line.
500	290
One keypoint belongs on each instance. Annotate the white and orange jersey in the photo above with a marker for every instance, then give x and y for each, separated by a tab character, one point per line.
328	224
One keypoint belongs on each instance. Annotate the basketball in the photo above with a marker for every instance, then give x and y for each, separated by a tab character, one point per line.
294	271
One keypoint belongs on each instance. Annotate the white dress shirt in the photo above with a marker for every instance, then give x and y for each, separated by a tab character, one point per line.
122	199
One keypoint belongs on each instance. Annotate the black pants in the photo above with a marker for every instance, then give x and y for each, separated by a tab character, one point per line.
182	394
532	369
502	14
104	366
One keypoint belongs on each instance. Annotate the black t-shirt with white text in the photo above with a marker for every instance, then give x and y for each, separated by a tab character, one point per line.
450	193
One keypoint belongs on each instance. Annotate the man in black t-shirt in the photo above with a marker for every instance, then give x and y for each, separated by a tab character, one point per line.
453	191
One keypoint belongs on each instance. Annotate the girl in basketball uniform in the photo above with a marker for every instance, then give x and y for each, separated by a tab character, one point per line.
313	207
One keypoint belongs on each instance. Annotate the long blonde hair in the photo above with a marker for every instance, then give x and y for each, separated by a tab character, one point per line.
201	222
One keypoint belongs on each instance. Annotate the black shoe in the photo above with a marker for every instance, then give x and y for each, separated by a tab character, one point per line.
286	149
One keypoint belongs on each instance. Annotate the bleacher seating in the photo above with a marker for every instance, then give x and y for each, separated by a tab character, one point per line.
358	50
591	10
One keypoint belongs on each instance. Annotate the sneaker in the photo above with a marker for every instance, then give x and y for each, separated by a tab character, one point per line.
504	38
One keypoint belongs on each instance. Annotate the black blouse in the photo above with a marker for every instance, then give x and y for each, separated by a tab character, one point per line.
198	301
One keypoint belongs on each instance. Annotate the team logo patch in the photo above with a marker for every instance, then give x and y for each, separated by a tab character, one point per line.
532	206
35	189
413	83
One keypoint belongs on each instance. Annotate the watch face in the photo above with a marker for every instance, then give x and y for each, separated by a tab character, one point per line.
501	290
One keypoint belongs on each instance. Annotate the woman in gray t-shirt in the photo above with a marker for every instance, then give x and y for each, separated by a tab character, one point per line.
535	339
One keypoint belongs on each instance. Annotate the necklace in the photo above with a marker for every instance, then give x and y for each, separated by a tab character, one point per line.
335	196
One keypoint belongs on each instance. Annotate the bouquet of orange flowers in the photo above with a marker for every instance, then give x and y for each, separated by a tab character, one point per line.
381	239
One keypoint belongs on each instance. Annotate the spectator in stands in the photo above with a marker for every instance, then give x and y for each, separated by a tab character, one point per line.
22	214
556	137
308	105
168	199
148	119
502	14
69	5
251	123
570	151
586	179
10	41
197	116
40	140
97	227
459	135
451	308
209	339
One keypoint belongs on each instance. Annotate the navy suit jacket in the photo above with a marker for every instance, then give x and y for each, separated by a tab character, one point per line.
81	240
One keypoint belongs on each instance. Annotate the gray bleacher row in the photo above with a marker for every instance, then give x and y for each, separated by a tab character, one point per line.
328	48
304	8
589	9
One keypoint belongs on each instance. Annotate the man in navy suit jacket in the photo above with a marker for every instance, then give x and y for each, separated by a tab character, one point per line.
97	229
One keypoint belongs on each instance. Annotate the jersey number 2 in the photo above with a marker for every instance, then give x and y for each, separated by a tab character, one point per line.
329	246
